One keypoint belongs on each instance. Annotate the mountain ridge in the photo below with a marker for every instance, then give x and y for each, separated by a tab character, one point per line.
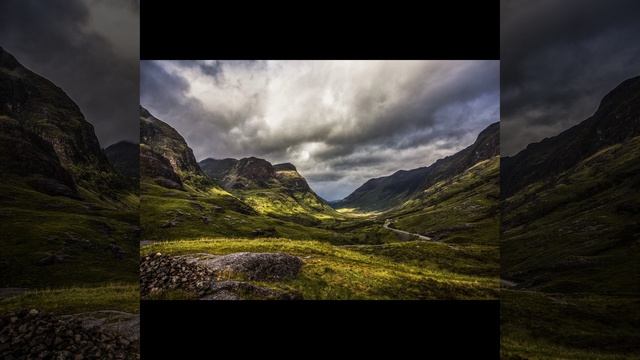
385	192
612	123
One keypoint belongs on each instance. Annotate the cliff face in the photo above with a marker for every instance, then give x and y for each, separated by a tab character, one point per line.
168	143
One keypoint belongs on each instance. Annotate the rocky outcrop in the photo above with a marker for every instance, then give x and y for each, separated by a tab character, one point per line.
254	173
30	334
165	156
159	273
250	266
166	142
158	168
207	276
24	154
246	173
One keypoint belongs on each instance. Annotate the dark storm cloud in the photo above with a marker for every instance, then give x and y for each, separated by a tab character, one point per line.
559	58
89	48
339	122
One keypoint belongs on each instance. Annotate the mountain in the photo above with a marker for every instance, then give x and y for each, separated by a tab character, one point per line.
615	120
253	173
80	225
164	153
124	156
388	191
24	154
43	109
217	169
167	142
571	205
272	189
51	144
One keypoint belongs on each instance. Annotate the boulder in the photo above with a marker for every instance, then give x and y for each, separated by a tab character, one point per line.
252	266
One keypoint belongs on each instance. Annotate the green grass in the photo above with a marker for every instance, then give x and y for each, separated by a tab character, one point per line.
347	255
560	326
226	216
578	231
120	297
334	272
463	209
34	225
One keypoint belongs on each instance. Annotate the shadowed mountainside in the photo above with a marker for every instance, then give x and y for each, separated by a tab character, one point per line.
570	235
615	121
124	156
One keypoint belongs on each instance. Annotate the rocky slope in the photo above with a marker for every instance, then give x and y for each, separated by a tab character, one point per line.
253	173
165	141
43	109
165	156
385	192
615	121
273	189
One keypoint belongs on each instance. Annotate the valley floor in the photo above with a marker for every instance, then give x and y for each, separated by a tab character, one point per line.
334	272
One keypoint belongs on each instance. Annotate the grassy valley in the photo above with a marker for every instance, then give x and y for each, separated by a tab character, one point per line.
251	206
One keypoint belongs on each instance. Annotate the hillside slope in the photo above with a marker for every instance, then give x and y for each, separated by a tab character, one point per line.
615	121
276	190
66	217
389	191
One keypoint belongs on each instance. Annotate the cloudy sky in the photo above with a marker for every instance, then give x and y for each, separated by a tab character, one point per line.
559	58
339	122
90	48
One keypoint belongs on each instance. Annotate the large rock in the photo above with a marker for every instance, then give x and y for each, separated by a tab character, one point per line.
252	266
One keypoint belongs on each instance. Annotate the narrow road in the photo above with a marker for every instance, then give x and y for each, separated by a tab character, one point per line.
387	222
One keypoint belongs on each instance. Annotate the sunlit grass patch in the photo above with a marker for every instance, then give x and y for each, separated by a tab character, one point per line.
120	297
334	272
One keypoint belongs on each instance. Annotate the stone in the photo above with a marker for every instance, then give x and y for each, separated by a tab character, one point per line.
252	266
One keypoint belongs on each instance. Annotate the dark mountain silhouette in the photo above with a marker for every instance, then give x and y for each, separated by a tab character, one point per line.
42	108
124	156
45	137
615	121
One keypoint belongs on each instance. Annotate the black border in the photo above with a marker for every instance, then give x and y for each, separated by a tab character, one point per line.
320	30
407	329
